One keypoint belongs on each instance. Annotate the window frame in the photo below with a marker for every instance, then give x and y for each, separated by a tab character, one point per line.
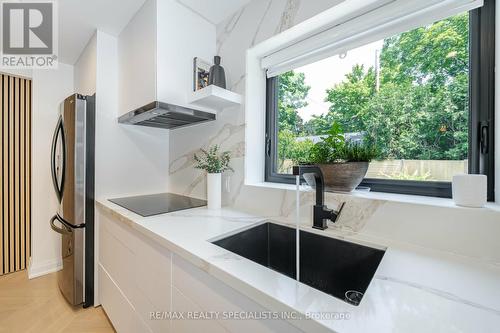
481	117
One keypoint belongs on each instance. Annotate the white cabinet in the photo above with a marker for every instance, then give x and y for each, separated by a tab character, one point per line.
210	294
184	305
118	307
137	277
134	267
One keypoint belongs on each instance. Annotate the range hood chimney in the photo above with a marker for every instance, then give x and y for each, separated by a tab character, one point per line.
164	115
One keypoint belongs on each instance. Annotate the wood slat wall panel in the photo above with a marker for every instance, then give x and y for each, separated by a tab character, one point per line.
22	178
17	175
5	178
2	267
15	185
10	195
28	171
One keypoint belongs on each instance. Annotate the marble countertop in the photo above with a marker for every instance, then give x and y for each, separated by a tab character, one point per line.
413	290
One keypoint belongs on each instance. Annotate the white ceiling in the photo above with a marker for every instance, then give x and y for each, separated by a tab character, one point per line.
214	11
78	20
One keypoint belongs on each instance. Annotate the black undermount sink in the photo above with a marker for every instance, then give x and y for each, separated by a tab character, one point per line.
339	268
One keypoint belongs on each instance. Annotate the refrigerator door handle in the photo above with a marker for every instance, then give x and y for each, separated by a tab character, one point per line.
59	129
65	223
63	230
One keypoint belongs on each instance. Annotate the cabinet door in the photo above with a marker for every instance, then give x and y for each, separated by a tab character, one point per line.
183	305
119	310
116	255
152	283
213	295
139	268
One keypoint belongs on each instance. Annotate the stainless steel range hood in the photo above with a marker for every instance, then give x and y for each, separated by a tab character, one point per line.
164	115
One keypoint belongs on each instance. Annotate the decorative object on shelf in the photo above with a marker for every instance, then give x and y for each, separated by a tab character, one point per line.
214	163
344	163
469	190
201	69
217	76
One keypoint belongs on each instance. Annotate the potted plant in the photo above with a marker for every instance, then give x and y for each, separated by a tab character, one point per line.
344	163
214	163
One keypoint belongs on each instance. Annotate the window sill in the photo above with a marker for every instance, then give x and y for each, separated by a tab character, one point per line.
392	197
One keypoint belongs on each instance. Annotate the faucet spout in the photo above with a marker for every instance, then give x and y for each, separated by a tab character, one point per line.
321	213
318	180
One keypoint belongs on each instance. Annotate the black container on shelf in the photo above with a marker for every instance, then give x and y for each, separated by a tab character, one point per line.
217	76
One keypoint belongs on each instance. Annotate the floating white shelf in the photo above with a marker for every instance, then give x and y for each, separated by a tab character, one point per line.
215	98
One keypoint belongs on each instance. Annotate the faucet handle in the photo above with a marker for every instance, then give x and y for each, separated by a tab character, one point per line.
339	210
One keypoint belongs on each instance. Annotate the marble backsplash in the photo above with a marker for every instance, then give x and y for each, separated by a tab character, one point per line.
464	232
257	21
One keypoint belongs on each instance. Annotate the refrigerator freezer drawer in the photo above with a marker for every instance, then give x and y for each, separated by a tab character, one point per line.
71	277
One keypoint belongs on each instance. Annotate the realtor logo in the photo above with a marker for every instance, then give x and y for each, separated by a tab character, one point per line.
28	34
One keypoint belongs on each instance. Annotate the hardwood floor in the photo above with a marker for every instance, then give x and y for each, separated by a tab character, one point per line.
38	306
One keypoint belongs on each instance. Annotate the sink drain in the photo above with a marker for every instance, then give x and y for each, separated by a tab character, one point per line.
353	297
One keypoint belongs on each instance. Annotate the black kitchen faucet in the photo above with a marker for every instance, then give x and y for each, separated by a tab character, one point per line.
321	213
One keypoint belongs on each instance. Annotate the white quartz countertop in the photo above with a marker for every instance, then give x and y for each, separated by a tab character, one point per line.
413	290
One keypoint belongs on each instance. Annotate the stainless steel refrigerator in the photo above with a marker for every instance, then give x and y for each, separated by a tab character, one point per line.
72	168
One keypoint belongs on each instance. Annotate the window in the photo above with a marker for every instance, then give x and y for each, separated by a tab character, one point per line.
423	98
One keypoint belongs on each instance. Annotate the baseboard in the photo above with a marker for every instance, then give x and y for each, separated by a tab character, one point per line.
49	266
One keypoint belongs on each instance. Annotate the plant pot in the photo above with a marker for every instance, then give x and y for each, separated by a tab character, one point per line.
214	189
343	177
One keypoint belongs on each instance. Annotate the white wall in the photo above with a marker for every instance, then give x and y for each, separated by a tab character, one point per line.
134	160
156	51
85	69
50	88
129	159
256	22
192	37
137	59
181	36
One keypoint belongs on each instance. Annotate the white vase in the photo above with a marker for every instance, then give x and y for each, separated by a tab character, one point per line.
214	189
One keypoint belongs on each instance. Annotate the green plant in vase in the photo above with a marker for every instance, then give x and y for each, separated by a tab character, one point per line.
344	163
214	163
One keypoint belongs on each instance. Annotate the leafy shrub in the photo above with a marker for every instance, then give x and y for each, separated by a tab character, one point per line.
291	149
359	152
212	161
336	149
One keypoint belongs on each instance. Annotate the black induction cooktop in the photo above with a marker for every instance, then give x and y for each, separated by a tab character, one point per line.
154	204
